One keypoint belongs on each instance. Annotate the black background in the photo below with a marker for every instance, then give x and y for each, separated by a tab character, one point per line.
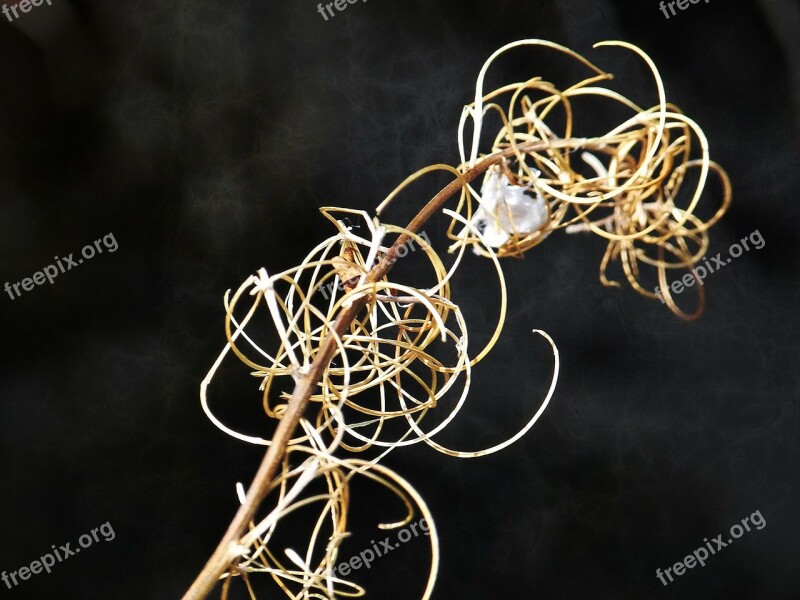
206	135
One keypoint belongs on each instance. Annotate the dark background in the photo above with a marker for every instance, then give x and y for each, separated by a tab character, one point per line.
205	136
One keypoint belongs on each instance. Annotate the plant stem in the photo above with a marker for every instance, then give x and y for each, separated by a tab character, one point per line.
221	560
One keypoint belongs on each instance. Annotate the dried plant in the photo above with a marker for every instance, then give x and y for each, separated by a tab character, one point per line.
369	361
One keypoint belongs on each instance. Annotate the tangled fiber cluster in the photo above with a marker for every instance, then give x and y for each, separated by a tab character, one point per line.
407	351
626	186
387	368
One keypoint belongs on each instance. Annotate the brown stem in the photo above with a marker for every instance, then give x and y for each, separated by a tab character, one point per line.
220	561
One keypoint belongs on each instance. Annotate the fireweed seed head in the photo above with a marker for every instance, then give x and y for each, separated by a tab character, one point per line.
621	186
406	341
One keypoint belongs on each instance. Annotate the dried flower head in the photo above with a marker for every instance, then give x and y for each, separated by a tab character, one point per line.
359	358
625	186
